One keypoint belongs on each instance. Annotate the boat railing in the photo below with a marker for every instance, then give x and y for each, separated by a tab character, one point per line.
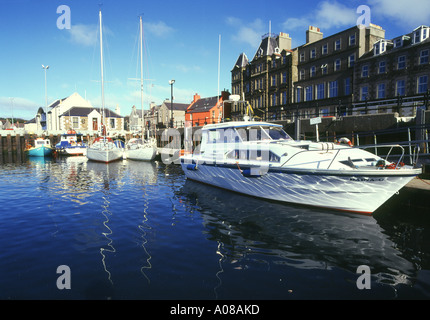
413	155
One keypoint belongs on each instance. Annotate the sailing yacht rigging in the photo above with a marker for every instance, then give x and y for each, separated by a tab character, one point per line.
139	148
104	149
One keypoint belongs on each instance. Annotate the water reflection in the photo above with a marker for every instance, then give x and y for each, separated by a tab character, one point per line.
298	237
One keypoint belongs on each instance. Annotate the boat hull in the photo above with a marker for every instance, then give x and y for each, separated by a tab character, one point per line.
42	151
141	154
103	155
352	192
73	151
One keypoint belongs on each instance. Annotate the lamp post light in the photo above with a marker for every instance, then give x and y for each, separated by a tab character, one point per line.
46	90
171	82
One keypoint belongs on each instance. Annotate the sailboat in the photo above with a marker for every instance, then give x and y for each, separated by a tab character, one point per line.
139	148
104	149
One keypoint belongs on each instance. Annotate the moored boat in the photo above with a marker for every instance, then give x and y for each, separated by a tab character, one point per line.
71	144
104	149
260	159
138	149
42	148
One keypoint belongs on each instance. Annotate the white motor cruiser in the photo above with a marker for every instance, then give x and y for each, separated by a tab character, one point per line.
261	160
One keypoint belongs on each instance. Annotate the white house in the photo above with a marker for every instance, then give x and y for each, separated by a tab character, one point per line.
74	112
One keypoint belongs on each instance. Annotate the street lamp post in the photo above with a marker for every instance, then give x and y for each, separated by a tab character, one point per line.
46	90
171	82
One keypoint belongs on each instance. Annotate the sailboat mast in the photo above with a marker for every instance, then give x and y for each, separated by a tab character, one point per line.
141	75
101	67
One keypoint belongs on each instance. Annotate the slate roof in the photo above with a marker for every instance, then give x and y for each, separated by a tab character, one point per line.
85	111
203	105
242	61
267	47
176	106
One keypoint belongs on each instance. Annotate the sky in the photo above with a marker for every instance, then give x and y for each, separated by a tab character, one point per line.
194	42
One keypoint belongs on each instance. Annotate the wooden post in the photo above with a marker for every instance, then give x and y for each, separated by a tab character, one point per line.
9	143
18	146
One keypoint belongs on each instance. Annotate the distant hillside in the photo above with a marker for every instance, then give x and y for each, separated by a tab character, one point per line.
15	120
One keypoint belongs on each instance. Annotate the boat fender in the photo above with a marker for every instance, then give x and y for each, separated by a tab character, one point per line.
345	141
192	167
251	173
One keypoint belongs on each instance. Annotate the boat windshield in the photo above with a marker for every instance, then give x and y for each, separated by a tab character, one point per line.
259	133
277	133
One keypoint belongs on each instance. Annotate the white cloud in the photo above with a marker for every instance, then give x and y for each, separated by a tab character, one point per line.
83	34
159	29
249	33
410	13
327	14
87	34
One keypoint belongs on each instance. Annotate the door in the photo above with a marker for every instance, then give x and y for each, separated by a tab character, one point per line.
95	124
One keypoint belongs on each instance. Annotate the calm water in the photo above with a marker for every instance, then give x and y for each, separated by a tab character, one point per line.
132	230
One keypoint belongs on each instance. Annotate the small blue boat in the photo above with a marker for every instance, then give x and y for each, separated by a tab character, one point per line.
42	148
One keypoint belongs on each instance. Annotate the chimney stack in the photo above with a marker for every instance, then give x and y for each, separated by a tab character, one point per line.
196	98
313	34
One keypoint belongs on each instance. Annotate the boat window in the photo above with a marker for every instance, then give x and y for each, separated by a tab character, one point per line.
276	133
228	135
258	155
256	134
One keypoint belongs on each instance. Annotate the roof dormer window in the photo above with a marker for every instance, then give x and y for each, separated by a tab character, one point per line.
380	47
420	34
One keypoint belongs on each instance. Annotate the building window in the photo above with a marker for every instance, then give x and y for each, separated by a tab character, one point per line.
302	57
352	40
424	56
284	77
381	90
381	68
324	69
312	54
347	87
400	88
364	71
324	49
401	62
75	122
112	123
313	71
420	34
302	74
298	94
284	97
398	42
422	84
364	91
379	47
320	91
417	36
337	65
332	89
351	60
273	80
274	100
309	93
337	45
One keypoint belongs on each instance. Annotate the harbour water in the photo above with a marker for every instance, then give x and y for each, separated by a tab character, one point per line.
133	230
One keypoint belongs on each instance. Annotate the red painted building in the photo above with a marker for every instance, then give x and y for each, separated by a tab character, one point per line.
207	110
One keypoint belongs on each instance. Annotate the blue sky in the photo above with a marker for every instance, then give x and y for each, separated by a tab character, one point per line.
181	43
